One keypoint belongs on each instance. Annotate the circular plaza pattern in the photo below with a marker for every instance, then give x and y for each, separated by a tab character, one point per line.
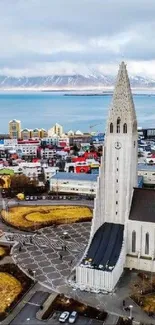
50	255
35	217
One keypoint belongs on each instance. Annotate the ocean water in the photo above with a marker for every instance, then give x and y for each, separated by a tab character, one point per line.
43	110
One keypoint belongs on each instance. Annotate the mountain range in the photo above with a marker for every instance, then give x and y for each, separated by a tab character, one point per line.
69	82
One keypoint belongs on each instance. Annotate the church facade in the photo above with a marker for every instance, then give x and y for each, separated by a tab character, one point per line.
123	226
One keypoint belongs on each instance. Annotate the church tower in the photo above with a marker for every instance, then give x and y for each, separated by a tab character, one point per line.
118	171
104	259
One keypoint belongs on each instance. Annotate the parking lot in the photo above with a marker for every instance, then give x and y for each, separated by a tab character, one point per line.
27	316
79	321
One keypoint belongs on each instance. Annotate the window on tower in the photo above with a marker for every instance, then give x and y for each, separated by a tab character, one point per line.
147	243
118	124
125	128
133	241
111	128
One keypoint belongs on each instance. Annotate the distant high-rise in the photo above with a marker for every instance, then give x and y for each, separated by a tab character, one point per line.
56	129
15	129
26	134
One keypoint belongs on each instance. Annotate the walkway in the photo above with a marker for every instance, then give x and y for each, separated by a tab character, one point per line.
48	254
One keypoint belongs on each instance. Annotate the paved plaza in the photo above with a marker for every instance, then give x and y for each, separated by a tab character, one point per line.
52	253
42	253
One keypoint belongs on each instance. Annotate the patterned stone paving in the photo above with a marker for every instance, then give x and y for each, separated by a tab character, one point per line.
51	264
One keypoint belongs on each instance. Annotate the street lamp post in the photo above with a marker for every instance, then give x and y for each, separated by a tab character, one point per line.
131	310
74	291
34	273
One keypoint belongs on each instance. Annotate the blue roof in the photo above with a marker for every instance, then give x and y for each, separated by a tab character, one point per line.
76	177
84	177
146	167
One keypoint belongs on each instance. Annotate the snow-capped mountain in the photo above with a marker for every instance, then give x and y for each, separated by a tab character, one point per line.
76	81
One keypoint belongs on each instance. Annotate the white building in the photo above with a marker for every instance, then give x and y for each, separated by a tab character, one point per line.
73	183
123	225
49	172
148	173
27	148
30	169
47	153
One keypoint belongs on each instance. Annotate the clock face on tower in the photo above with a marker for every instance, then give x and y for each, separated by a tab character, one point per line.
118	145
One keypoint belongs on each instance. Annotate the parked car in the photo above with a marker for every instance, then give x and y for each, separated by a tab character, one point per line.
27	198
63	317
73	317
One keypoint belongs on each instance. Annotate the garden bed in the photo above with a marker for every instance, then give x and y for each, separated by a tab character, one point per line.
62	303
35	217
143	292
13	285
4	251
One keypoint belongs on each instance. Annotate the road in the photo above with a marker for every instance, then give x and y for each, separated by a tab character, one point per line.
89	203
27	316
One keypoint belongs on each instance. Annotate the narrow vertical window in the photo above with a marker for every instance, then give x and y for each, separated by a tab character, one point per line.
125	128
111	128
134	126
133	241
147	243
118	124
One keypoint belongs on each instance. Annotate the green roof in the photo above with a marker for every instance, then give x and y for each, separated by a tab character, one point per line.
6	171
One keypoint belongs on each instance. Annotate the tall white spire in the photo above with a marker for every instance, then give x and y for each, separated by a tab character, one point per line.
118	171
122	103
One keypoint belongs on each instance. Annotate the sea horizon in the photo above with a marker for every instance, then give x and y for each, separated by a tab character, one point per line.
98	90
42	109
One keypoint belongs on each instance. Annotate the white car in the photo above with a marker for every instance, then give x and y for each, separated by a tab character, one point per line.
73	316
63	317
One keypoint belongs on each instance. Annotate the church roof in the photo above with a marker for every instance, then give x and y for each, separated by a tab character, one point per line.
143	205
122	103
105	247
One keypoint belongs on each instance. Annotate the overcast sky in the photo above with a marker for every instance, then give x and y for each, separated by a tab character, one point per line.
42	37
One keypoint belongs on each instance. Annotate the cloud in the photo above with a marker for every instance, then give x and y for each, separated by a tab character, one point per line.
44	37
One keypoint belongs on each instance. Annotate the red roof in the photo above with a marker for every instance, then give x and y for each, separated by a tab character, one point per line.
28	141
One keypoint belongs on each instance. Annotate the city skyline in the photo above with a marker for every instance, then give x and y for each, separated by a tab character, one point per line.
43	38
